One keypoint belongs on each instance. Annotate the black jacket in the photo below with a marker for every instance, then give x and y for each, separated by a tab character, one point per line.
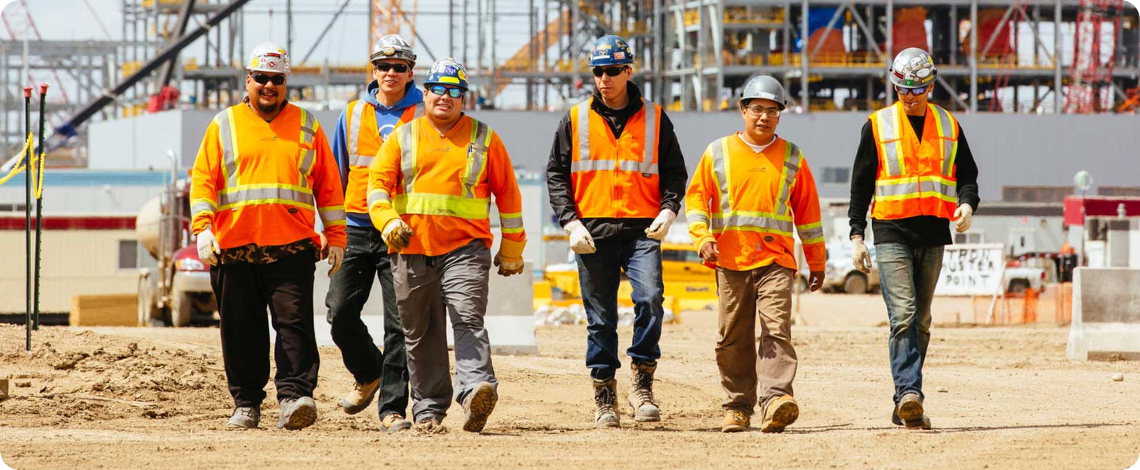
921	231
670	164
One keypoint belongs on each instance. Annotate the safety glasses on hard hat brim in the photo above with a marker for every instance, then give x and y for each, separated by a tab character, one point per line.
262	78
442	90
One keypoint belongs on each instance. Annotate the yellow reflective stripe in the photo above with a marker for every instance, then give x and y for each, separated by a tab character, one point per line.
263	186
209	202
512	230
256	202
442	204
749	228
334	223
767	215
510	215
810	233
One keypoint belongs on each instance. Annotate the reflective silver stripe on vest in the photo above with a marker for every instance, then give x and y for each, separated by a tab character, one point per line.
201	207
946	188
408	153
763	223
476	155
697	217
810	235
792	160
583	133
510	222
308	134
356	111
328	217
720	169
378	196
949	143
265	196
624	165
889	130
650	134
646	166
229	146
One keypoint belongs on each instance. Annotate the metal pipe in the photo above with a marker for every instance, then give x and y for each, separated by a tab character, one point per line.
974	56
804	56
39	212
1057	57
890	47
27	214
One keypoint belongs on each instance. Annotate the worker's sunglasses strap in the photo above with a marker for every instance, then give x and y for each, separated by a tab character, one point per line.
442	90
262	78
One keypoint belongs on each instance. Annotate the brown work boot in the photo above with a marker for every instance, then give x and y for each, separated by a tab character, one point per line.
641	392
360	397
735	421
910	412
394	422
781	412
478	407
605	399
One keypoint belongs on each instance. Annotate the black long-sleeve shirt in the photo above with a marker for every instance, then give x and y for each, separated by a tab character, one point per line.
921	231
670	164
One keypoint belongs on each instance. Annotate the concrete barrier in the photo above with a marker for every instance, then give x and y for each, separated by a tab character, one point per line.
1106	314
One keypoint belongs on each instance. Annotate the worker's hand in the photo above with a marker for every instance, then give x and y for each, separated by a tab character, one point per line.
397	235
660	226
509	265
709	252
860	255
336	256
964	216
815	281
208	249
580	240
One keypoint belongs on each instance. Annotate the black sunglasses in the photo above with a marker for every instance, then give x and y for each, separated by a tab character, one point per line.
611	71
385	66
442	90
262	78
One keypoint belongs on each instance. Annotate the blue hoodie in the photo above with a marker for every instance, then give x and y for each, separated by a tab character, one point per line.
386	119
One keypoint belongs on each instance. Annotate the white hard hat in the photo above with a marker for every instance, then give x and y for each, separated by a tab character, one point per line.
268	57
912	68
393	46
766	88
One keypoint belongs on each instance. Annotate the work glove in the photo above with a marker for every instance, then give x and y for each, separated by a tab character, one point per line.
660	226
208	249
964	216
397	234
580	240
336	256
509	265
860	255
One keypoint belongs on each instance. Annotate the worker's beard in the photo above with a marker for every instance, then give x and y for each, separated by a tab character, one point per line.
267	108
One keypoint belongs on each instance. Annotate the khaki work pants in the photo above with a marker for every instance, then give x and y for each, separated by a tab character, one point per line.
767	292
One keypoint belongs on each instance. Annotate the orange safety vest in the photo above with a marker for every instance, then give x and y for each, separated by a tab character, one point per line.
915	177
752	219
364	142
615	177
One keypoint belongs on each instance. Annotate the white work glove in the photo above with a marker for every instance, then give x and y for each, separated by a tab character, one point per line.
336	256
660	226
580	240
397	234
964	216
860	255
208	249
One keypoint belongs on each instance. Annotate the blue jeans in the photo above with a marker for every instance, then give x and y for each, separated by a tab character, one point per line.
599	274
907	277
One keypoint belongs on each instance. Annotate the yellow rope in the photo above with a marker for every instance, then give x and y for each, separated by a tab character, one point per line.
19	166
39	184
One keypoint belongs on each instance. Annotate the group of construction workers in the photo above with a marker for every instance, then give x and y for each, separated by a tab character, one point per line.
403	193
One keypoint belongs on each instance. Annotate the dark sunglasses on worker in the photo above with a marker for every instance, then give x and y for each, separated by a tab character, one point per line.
442	90
910	91
384	67
262	78
611	71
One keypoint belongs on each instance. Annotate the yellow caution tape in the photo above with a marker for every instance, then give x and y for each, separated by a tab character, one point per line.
37	168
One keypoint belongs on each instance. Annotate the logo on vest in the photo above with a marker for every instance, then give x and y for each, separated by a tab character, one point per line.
646	175
769	238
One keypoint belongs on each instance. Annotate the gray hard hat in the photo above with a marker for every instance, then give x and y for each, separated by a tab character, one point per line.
393	46
766	88
912	68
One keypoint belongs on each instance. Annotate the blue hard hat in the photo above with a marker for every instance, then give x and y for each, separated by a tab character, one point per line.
610	50
447	72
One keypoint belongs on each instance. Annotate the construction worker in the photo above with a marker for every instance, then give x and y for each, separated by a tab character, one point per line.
263	169
914	163
749	190
429	191
391	101
616	177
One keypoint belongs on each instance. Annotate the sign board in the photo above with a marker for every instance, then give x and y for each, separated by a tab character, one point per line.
971	269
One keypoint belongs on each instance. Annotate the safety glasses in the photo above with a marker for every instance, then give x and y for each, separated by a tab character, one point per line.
758	110
910	91
442	90
262	78
385	66
610	71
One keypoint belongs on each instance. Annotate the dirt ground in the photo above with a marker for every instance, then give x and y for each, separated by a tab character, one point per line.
156	398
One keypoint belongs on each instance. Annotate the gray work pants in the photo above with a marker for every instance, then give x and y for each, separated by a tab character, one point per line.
428	288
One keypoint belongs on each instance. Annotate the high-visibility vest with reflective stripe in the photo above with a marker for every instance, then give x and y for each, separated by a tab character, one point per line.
364	140
916	177
427	200
277	182
615	177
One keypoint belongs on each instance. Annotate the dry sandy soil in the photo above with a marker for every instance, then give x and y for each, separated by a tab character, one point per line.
155	398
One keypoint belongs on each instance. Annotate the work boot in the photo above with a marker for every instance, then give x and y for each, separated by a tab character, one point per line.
909	413
427	424
297	413
245	417
735	421
360	397
478	407
781	412
641	393
605	399
394	422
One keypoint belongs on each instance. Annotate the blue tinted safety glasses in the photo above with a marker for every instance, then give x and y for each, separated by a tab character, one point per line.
442	90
